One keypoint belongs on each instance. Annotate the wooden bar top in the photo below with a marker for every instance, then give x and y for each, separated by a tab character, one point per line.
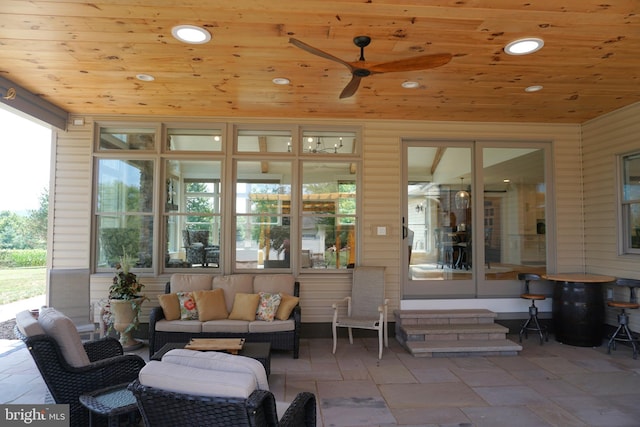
579	278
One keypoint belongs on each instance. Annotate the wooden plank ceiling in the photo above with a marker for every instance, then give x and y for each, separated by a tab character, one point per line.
84	57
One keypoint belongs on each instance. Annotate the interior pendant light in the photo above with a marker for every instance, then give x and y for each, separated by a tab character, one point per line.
462	197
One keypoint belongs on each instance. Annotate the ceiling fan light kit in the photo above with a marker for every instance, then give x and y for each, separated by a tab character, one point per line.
361	68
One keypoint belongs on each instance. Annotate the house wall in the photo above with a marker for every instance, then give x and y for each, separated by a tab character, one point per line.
603	139
70	235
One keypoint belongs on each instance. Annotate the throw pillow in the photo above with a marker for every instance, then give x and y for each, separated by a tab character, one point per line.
211	305
245	307
287	304
268	306
170	306
188	309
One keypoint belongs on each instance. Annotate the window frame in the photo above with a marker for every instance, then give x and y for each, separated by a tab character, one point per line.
625	236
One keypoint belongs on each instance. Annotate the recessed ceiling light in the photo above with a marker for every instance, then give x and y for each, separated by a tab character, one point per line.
281	81
533	88
191	34
145	77
524	46
410	85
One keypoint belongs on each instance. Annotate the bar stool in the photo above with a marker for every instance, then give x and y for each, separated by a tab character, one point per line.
622	333
532	323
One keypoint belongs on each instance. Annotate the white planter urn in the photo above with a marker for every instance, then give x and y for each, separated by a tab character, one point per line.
125	320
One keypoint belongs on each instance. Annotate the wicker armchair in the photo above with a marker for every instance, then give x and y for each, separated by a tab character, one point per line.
165	408
108	366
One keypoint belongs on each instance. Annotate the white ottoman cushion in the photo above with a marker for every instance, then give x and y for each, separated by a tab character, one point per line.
196	381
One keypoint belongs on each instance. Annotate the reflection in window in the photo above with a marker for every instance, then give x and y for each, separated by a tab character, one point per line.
263	141
127	138
192	214
328	215
263	208
124	209
631	203
194	139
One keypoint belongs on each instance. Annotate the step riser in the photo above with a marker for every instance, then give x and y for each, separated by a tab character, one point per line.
430	327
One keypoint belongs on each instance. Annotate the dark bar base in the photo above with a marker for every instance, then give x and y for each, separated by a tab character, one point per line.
578	314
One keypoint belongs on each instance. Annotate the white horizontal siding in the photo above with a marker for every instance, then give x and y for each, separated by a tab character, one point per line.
603	139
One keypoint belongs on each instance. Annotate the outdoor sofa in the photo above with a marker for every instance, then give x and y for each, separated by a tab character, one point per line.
258	308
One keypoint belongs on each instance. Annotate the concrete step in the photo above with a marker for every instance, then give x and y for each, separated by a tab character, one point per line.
463	348
487	331
461	314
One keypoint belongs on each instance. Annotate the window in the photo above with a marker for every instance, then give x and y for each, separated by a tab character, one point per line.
169	194
124	212
192	213
263	214
630	168
329	212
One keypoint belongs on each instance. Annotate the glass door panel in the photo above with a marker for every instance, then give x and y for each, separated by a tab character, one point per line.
438	220
514	206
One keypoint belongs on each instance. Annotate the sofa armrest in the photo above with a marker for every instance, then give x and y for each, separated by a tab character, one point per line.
155	315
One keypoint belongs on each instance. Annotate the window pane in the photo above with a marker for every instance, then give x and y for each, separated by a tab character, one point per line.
514	212
127	138
328	215
263	208
633	218
120	234
125	186
439	214
328	142
262	141
631	168
194	140
192	225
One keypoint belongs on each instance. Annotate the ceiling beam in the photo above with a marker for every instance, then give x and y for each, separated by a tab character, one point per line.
33	105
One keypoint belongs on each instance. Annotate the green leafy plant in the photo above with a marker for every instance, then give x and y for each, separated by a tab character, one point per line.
125	283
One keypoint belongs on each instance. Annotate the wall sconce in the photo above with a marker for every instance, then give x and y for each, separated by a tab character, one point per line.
419	208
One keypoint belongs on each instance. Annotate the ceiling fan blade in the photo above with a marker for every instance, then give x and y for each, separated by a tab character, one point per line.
351	88
318	52
423	62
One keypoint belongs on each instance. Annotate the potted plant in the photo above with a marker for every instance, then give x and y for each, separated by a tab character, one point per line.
125	302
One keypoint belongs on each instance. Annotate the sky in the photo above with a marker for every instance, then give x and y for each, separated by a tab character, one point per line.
25	155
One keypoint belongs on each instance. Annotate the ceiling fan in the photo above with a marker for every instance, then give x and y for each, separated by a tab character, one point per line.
361	68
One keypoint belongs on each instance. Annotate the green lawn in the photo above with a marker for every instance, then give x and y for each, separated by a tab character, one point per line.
21	283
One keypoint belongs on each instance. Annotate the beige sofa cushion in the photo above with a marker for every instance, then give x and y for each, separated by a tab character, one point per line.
28	325
232	284
274	283
197	381
189	282
230	326
275	326
191	326
219	361
63	330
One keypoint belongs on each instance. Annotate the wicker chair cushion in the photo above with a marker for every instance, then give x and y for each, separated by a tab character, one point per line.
189	282
64	331
274	283
218	361
232	284
28	325
226	326
271	327
197	381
